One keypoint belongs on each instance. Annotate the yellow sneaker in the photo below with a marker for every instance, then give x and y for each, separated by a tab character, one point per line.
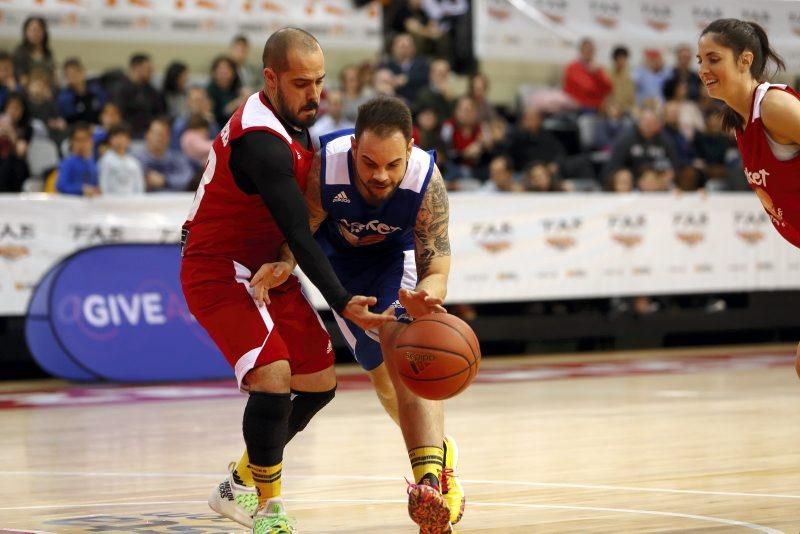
452	490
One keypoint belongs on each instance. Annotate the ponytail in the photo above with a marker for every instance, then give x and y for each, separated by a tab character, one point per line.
766	54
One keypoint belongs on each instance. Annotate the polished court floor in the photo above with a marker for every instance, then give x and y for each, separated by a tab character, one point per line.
686	441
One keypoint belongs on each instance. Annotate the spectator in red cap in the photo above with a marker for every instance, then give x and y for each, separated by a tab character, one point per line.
585	81
650	77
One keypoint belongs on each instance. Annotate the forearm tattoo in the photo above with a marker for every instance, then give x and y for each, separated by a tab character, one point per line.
430	231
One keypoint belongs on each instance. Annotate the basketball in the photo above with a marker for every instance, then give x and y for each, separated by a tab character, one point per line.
438	356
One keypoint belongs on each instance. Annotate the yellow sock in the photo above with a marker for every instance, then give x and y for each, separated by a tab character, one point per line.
426	461
241	473
267	481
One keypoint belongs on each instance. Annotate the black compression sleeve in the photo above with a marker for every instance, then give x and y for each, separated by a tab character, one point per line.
264	160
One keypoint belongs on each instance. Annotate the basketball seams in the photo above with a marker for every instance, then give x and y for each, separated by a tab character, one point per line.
474	356
436	379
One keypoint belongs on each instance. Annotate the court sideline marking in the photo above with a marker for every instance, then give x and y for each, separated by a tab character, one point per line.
718	520
523	483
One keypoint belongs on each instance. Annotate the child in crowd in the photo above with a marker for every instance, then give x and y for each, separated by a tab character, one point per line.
109	116
120	173
77	174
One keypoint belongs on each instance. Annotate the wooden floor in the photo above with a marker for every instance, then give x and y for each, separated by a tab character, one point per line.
696	441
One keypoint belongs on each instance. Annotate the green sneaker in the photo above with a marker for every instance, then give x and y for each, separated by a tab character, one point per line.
234	500
272	519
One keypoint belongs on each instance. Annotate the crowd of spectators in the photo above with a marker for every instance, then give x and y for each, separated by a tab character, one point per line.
646	128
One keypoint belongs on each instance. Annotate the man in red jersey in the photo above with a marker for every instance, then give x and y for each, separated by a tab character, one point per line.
249	202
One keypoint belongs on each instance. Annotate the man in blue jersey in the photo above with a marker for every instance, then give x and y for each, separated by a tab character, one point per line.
379	207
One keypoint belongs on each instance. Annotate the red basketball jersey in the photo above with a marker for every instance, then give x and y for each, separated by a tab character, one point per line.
776	182
224	220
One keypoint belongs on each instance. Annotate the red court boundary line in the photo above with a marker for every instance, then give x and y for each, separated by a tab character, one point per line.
108	394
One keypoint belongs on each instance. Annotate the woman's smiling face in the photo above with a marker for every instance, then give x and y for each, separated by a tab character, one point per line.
719	70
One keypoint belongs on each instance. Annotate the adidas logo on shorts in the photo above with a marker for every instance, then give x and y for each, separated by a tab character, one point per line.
341	197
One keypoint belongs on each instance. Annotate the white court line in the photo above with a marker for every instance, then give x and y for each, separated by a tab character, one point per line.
523	483
718	520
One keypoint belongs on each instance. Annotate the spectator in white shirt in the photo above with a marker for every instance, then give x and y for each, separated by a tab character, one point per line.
120	173
333	119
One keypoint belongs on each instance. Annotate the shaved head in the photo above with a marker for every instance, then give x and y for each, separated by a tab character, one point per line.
276	51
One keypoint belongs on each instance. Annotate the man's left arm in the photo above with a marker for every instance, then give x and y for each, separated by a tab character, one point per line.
431	251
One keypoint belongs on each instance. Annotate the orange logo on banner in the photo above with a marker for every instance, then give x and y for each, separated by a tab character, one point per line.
271	6
690	226
493	237
703	15
552	9
201	4
559	232
657	16
752	236
627	229
627	240
561	242
135	3
606	13
691	238
498	12
495	247
13	252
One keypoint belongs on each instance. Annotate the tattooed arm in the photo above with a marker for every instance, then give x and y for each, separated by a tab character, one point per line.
313	198
431	240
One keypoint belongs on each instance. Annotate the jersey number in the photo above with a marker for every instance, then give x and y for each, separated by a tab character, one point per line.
208	175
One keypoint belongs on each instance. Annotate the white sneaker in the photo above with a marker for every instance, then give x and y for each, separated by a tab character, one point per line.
235	501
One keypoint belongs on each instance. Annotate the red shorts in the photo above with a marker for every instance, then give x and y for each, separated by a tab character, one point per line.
218	293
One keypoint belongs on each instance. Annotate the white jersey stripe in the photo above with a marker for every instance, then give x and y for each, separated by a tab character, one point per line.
256	114
246	362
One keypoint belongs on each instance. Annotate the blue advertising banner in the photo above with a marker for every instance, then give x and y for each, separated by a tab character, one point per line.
42	342
117	312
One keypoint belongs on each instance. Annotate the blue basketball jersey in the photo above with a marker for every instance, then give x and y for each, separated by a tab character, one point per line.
352	224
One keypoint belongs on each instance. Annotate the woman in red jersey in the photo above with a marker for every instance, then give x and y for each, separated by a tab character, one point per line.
733	56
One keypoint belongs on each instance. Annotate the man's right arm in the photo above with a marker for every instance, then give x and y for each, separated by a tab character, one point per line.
313	199
266	161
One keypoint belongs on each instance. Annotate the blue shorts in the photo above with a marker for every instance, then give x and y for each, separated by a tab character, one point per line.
373	275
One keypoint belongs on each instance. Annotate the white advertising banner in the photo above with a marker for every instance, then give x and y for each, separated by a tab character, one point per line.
336	23
548	30
505	247
526	30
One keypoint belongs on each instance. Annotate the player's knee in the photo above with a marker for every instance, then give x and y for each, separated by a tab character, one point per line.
271	378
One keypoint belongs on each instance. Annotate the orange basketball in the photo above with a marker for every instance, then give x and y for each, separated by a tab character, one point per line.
438	356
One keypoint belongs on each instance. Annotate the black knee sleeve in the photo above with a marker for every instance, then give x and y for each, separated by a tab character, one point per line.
304	405
265	426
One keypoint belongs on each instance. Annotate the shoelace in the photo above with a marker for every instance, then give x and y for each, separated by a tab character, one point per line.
427	495
447	473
